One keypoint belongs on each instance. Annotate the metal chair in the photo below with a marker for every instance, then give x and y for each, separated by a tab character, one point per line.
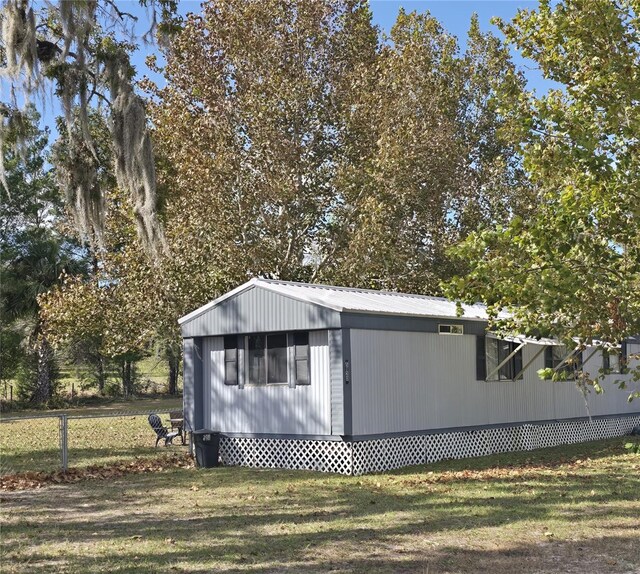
162	432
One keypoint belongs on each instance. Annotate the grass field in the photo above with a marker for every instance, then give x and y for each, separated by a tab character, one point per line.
567	509
32	444
152	378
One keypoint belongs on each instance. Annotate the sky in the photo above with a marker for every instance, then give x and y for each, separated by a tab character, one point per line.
455	16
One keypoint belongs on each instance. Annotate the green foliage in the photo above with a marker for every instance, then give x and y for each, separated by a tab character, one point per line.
633	447
294	142
10	352
28	375
33	254
325	152
79	51
572	267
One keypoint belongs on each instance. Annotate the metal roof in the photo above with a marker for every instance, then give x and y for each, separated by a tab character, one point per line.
351	300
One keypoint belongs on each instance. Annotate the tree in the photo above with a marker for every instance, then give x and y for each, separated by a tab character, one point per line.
114	314
324	155
439	163
293	144
33	255
572	268
82	50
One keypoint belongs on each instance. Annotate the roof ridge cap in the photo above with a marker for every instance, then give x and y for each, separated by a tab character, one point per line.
350	289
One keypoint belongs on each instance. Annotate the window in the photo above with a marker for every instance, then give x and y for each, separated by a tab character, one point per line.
451	329
554	356
256	364
611	361
276	358
615	362
496	351
231	360
301	358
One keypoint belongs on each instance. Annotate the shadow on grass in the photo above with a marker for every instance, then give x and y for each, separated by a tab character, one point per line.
245	520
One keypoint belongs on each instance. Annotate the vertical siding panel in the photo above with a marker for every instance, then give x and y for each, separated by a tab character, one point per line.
270	409
261	310
414	381
336	379
188	384
214	379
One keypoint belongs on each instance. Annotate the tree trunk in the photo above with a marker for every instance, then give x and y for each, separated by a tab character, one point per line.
174	365
123	377
127	383
100	372
42	392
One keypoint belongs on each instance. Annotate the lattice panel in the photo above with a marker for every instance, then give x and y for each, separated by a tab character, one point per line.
322	455
463	444
387	454
569	432
361	457
510	439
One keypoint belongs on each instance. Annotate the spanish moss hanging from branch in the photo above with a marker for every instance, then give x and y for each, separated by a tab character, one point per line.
79	51
133	153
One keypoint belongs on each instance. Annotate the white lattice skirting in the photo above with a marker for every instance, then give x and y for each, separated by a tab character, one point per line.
364	456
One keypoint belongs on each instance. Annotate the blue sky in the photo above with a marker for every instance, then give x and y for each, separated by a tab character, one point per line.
455	16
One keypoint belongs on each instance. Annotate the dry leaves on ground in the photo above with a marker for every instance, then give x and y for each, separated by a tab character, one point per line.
33	480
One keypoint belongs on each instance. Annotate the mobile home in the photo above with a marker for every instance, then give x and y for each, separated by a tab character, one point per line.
352	381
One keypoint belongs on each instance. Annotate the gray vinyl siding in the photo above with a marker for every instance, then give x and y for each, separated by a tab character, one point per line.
608	402
258	310
336	382
271	409
192	383
405	381
188	398
384	322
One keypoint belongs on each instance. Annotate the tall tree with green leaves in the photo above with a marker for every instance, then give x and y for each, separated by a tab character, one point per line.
298	145
572	268
33	254
294	143
103	315
251	132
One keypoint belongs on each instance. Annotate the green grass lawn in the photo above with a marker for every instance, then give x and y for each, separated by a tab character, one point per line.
32	444
567	509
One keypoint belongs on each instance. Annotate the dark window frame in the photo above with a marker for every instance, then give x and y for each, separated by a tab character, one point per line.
296	356
510	369
569	367
622	361
231	361
301	358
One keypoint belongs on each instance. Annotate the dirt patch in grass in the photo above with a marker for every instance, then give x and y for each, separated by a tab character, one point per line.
570	509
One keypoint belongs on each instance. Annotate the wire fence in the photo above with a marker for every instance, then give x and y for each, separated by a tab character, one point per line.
46	443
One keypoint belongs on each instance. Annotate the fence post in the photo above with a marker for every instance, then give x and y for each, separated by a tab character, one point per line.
64	453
